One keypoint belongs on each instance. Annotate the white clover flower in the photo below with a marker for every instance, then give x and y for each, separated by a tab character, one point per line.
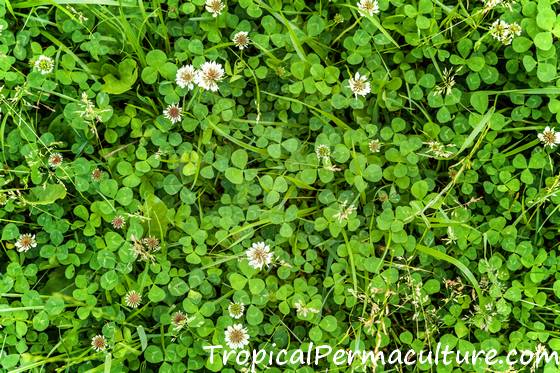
344	211
209	75
323	152
236	336
491	4
241	39
359	85
99	343
515	29
144	248
498	29
451	236
236	310
259	255
332	168
118	222
133	299
549	137
370	7
173	113
55	160
374	146
179	320
215	7
185	77
25	242
505	32
151	243
438	149
44	64
303	310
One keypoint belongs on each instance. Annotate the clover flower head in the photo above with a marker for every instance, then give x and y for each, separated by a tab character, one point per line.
259	255
241	39
209	75
359	85
236	336
185	77
215	7
173	113
236	310
369	7
99	343
25	242
55	160
549	137
44	64
133	299
118	222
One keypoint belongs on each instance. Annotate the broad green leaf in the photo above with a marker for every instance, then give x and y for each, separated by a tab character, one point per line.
127	75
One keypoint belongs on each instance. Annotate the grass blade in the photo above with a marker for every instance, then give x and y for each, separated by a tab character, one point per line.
446	258
485	121
108	363
34	3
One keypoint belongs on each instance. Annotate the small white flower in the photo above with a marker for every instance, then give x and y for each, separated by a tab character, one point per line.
259	255
236	310
438	149
374	146
44	64
55	160
515	29
359	85
151	243
323	152
505	32
133	299
344	211
99	343
25	242
236	336
491	4
185	77
549	137
333	168
303	310
370	7
209	75
498	29
118	222
173	113
159	153
215	7
241	39
179	320
451	236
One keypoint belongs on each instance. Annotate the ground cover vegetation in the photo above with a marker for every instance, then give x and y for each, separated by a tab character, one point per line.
267	174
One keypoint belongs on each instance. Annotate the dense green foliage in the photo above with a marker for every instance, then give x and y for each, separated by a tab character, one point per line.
425	210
